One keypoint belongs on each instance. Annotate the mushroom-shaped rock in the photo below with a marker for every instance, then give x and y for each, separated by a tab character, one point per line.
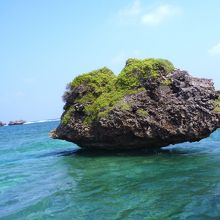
149	105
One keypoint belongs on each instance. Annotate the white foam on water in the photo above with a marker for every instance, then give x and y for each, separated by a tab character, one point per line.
41	121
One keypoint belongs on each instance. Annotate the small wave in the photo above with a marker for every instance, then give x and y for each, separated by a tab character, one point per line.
41	121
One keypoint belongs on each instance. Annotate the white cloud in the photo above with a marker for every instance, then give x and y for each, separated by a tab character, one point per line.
215	50
159	15
131	10
130	13
135	13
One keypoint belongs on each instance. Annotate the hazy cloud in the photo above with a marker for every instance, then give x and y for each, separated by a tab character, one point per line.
215	50
130	13
159	15
132	9
136	13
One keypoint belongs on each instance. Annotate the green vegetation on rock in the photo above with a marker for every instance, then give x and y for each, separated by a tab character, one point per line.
123	105
102	90
67	115
136	70
142	112
216	104
166	82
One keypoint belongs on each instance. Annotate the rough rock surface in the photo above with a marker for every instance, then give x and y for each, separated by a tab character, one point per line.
17	122
166	108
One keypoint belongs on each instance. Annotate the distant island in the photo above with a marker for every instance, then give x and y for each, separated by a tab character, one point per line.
2	123
17	122
149	105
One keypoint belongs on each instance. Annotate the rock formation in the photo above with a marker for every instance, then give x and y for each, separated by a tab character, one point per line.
17	122
2	124
150	104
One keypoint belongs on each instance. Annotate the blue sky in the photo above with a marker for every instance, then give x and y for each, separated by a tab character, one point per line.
44	44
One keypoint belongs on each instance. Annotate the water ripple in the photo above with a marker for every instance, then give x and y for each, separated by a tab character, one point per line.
41	178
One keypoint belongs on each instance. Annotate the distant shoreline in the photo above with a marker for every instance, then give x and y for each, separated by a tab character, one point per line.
33	122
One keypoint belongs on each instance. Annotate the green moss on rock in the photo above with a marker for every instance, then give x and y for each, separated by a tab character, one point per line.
166	82
97	79
67	116
124	106
216	104
104	90
142	112
135	70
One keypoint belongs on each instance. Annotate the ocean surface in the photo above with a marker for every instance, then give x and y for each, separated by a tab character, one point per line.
42	179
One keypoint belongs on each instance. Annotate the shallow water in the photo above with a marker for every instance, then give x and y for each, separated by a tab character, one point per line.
41	178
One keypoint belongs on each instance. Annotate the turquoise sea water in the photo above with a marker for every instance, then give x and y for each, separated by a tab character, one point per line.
41	178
